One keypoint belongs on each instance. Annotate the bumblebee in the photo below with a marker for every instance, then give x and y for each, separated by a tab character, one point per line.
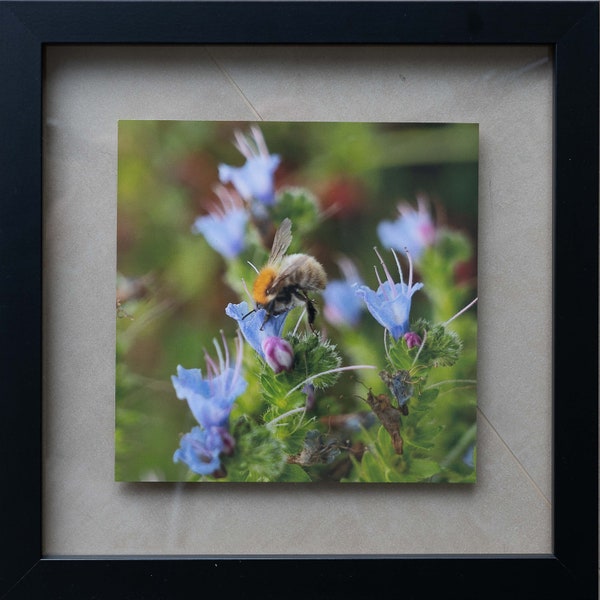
284	281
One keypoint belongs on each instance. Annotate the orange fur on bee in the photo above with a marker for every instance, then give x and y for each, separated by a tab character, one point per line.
262	283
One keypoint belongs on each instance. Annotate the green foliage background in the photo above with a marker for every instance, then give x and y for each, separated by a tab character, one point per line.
173	291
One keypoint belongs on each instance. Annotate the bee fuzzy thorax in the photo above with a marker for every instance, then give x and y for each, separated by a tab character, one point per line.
262	283
304	271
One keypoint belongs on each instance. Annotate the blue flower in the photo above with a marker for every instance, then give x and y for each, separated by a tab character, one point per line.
200	450
253	180
413	230
225	226
390	303
210	400
253	326
342	306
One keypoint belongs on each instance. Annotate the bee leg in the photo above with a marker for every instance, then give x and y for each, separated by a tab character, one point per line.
310	309
312	313
269	312
264	321
248	313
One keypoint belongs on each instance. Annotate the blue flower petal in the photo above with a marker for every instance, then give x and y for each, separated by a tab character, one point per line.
390	305
254	180
252	324
413	230
225	233
210	400
199	450
190	382
342	306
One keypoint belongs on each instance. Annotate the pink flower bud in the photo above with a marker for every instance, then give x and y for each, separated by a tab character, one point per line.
309	390
278	354
412	339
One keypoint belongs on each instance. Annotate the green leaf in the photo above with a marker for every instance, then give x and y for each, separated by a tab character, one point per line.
400	357
441	348
393	476
419	444
428	396
313	356
371	468
423	468
294	474
258	454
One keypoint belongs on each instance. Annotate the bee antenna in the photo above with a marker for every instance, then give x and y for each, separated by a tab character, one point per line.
248	313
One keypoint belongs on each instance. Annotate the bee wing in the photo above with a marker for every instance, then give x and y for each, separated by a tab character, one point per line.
297	261
281	241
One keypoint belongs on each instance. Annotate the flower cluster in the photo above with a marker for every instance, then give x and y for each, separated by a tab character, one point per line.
225	226
210	400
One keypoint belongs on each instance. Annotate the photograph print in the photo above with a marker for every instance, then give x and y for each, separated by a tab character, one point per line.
296	302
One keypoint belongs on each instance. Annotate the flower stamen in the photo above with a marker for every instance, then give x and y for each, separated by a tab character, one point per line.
420	348
222	365
460	312
387	273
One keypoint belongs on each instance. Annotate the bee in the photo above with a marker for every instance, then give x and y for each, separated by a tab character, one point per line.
285	280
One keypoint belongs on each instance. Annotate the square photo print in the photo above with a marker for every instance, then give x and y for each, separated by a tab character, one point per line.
296	302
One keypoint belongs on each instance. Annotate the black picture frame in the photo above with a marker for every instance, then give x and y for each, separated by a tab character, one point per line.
571	29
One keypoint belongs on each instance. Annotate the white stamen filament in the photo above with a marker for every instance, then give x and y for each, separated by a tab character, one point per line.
377	275
210	365
420	348
460	312
387	273
399	267
250	299
217	212
219	354
229	200
299	321
385	343
242	145
381	286
410	268
348	269
259	140
287	414
338	370
226	349
439	383
257	271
